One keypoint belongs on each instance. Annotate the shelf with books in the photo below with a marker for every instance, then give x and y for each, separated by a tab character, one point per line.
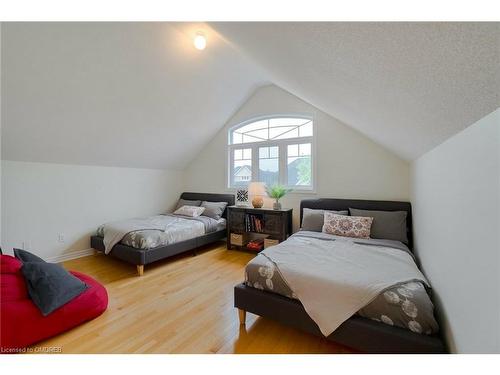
247	224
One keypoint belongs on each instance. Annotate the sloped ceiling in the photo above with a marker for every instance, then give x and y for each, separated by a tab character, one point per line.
408	86
140	95
117	94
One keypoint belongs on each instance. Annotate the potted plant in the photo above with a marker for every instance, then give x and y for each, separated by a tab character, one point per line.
277	192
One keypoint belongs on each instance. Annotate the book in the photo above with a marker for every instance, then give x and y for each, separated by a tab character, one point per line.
254	223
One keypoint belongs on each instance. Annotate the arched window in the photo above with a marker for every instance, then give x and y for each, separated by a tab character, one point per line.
273	150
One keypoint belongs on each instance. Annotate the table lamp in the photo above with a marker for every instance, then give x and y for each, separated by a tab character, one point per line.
257	190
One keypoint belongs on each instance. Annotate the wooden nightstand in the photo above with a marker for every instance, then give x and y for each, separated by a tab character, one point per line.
247	223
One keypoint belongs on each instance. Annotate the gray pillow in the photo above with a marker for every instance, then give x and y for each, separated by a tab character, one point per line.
185	202
213	209
313	219
49	285
388	225
26	256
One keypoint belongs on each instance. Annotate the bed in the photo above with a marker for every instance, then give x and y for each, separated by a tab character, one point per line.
363	331
131	248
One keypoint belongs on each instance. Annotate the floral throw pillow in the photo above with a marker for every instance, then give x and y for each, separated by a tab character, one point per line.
347	226
191	211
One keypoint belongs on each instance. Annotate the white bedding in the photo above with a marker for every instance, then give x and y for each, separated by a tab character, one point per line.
335	278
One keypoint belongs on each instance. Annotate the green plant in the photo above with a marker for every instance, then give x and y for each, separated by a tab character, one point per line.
277	191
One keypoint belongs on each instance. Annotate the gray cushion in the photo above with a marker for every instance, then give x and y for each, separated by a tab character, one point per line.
186	202
313	219
389	225
26	256
213	209
49	285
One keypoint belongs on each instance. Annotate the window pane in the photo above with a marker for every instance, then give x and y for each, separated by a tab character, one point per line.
306	130
247	138
299	171
237	138
242	169
261	134
292	133
299	165
263	152
276	132
268	166
286	121
269	129
247	153
305	149
238	154
273	152
262	124
293	150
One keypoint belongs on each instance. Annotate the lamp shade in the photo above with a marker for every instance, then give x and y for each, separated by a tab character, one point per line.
257	189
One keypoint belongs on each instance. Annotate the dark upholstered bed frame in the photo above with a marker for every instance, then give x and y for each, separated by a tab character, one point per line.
141	257
357	332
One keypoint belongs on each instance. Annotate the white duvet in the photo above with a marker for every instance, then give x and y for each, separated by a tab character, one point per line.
333	279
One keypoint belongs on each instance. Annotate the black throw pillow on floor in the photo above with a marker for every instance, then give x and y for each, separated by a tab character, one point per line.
50	286
26	256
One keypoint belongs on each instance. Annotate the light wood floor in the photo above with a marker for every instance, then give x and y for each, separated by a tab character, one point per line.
181	305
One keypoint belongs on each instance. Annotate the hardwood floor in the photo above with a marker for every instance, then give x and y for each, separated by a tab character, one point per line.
180	305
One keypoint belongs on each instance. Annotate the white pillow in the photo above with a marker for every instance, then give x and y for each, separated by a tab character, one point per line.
191	211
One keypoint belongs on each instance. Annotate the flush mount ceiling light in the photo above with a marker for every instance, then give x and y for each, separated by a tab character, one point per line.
200	42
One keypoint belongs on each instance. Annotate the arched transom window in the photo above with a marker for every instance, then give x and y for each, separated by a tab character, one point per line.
273	150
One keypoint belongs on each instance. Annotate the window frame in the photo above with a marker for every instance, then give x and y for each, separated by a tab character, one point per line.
282	153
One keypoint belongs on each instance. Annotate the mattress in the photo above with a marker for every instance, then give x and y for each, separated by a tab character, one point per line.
152	238
405	305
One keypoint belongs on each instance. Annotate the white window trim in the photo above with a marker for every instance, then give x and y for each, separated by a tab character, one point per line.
282	144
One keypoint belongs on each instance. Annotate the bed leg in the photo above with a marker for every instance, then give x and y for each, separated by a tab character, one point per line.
140	269
243	316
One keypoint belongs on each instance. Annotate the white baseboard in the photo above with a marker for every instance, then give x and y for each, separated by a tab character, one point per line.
69	256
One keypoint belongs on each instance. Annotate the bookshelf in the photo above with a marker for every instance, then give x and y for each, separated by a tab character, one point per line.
245	224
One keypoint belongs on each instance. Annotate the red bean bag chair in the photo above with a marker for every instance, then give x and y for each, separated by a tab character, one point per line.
22	323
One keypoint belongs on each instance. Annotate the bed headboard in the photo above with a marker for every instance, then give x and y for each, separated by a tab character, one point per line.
345	204
210	197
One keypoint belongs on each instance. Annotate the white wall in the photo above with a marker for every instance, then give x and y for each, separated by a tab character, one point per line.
456	205
349	165
41	201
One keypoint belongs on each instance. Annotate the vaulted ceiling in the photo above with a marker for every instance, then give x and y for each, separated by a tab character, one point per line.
117	94
408	86
140	95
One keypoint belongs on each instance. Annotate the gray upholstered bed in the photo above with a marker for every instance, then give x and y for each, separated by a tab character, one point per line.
148	246
383	326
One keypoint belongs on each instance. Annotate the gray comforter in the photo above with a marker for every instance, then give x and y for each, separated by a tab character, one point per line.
158	230
405	305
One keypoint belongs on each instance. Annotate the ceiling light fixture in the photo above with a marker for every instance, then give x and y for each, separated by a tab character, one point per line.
200	42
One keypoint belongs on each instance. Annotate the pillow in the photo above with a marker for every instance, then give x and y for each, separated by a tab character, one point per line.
213	209
313	219
26	256
347	226
185	202
388	225
191	211
50	286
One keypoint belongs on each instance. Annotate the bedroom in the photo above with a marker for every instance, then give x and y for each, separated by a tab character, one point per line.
214	173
